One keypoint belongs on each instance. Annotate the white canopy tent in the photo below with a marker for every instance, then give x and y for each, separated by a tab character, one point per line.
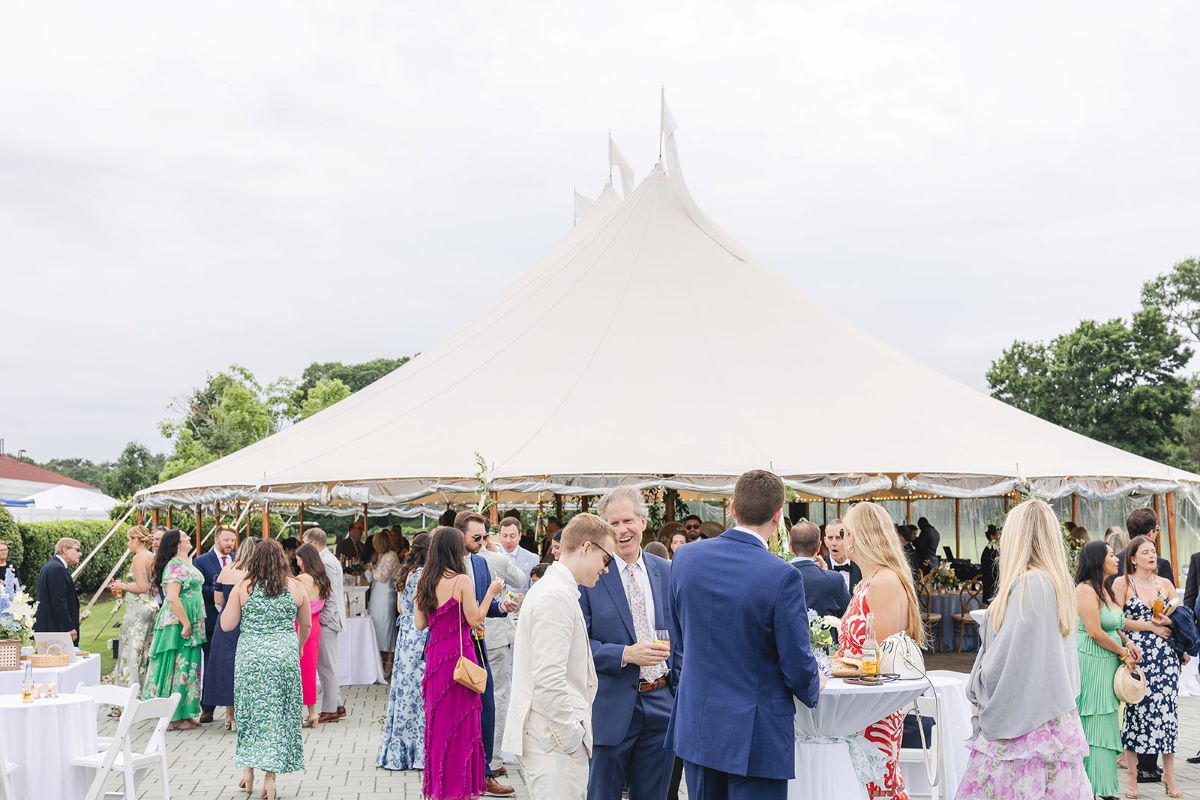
635	279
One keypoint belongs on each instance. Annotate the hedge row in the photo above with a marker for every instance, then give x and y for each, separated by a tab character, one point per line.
34	546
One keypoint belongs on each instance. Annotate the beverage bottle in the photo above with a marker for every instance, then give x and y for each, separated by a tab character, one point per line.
27	684
870	650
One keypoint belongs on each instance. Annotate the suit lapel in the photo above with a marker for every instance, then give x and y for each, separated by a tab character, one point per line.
657	586
616	590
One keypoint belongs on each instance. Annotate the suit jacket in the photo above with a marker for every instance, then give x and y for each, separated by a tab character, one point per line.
741	616
1192	589
553	677
855	571
332	613
610	628
209	565
500	630
824	590
525	561
58	600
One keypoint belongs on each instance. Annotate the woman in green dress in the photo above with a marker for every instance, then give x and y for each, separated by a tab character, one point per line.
272	608
1102	647
178	632
137	627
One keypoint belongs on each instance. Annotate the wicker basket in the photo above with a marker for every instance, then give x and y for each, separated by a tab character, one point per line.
53	657
10	654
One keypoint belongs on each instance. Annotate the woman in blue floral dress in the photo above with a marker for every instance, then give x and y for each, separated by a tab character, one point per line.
403	744
179	630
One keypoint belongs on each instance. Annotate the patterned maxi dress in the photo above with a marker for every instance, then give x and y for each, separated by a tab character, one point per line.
884	734
266	685
403	744
1152	726
137	632
453	736
174	661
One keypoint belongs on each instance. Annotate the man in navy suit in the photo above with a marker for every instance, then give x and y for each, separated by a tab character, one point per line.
473	527
741	617
636	675
825	591
210	565
58	600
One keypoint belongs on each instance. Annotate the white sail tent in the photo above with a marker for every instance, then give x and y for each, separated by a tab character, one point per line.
634	279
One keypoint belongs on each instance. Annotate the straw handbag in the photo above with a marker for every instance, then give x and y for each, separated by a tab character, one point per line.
466	671
1129	684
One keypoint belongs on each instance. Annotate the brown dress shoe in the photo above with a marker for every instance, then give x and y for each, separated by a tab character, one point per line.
501	771
494	788
341	712
327	717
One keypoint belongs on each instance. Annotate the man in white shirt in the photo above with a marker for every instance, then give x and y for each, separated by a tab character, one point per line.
331	624
554	678
509	541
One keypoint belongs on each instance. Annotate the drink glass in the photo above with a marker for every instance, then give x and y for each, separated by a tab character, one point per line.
663	637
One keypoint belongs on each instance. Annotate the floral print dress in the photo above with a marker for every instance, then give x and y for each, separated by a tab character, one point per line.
266	685
884	734
137	633
1152	726
403	744
175	661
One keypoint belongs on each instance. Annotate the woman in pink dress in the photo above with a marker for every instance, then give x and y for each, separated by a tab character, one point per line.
317	587
446	607
887	594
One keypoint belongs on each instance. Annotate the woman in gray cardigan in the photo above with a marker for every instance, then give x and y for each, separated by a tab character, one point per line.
1028	740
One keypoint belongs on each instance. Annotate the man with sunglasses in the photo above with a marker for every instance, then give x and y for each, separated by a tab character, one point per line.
691	527
481	566
636	669
58	600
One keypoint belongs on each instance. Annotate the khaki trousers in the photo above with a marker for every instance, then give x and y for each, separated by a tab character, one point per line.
554	776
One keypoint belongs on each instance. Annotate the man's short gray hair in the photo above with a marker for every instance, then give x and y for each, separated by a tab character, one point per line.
623	493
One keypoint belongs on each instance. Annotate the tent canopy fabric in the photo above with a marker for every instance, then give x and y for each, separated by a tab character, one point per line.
587	328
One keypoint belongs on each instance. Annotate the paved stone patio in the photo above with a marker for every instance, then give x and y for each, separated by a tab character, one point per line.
341	759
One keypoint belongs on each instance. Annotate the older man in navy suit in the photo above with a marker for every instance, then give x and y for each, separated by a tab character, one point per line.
636	673
742	619
824	591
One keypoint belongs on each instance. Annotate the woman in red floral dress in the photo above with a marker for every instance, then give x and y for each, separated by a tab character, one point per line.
887	592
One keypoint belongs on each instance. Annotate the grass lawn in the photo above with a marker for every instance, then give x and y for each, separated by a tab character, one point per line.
95	640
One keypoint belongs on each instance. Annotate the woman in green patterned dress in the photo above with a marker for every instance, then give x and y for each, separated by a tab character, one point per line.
178	632
137	627
272	609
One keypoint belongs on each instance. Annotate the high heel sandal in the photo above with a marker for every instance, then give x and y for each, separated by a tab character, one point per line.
268	792
247	781
1177	793
311	722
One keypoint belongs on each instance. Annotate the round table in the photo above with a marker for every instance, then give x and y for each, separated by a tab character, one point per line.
85	671
948	604
358	660
825	768
953	745
42	737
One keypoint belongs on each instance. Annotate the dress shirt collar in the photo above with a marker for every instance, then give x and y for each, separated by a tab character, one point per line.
833	563
624	568
752	533
63	560
800	559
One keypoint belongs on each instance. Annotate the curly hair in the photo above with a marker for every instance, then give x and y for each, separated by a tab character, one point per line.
268	568
141	535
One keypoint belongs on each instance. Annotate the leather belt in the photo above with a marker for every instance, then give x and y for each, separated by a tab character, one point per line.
650	686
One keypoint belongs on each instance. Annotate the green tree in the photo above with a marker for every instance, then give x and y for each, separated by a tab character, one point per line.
325	393
1177	293
354	376
81	469
135	469
1114	381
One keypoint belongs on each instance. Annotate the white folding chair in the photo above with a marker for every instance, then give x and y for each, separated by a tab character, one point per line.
961	677
107	694
7	768
121	757
931	760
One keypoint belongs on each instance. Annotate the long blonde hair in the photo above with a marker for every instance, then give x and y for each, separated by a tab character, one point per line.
874	537
1033	540
245	548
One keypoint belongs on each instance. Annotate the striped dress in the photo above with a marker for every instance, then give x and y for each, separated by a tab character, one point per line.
884	734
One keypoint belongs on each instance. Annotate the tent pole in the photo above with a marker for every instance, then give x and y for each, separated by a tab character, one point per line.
199	517
725	512
366	522
1157	509
300	535
908	511
1074	508
217	513
107	536
169	508
154	517
558	512
141	519
494	512
1174	542
668	507
957	528
266	520
583	503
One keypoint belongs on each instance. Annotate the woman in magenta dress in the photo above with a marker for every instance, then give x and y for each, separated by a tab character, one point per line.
888	596
446	607
317	587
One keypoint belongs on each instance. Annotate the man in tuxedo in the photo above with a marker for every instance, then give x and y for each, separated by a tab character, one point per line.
473	528
836	558
554	678
210	565
636	674
825	590
58	600
330	621
734	716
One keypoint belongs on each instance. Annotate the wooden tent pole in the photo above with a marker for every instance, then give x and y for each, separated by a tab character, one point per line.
1157	507
199	533
908	511
558	512
1174	542
725	512
1074	508
494	512
154	517
668	507
957	528
266	520
583	503
366	521
300	535
141	518
169	509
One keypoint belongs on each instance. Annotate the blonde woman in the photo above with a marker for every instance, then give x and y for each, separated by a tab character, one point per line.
1028	741
218	672
137	628
886	592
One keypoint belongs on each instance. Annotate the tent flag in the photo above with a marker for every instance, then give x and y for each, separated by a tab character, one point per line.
582	204
667	123
615	159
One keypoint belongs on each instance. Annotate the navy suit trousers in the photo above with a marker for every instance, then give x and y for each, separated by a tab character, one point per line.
639	761
710	784
488	712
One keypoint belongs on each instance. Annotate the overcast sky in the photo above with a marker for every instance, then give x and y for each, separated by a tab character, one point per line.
186	186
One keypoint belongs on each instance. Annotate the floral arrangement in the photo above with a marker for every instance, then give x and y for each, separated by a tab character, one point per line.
944	577
17	612
820	631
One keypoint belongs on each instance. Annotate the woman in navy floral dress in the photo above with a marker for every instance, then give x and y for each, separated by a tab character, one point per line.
403	743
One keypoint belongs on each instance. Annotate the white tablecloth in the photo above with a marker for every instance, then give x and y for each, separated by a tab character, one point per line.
41	738
956	729
84	671
825	770
358	653
1189	679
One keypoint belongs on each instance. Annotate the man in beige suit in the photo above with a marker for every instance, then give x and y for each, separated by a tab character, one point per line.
553	678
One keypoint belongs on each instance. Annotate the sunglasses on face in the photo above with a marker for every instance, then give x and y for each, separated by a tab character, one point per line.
692	526
479	537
